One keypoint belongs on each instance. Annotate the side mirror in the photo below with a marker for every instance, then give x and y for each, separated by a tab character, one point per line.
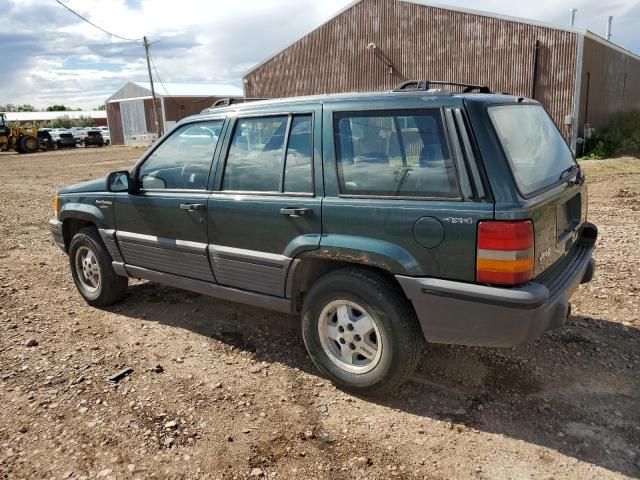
119	182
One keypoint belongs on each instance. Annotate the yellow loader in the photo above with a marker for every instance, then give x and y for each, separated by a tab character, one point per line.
22	140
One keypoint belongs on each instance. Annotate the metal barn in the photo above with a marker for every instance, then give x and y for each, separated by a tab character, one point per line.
131	115
581	78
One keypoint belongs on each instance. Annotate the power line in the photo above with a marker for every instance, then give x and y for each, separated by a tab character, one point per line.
163	87
96	26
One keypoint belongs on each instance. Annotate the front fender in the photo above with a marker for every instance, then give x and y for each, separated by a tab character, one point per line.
366	251
83	211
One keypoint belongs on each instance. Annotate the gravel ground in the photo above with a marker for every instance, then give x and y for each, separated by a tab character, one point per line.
221	390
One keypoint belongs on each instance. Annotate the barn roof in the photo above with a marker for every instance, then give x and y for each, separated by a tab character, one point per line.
46	116
133	90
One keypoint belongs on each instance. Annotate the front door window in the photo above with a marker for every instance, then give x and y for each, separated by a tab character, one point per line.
182	161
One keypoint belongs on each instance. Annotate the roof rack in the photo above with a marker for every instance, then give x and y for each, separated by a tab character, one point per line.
225	102
425	85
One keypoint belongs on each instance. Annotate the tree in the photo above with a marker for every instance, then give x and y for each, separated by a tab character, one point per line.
66	122
57	108
101	107
10	107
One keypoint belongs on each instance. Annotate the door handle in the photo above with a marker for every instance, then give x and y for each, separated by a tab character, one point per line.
192	207
296	212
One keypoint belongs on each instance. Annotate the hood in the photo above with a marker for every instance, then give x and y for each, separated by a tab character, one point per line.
97	185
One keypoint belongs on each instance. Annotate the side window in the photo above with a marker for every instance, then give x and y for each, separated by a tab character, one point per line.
393	153
184	159
262	159
298	174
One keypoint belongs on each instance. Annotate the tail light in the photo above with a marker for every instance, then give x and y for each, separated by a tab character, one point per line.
505	252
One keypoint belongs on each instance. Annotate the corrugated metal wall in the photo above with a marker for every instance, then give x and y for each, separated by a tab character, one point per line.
115	123
177	108
130	90
149	115
610	83
423	42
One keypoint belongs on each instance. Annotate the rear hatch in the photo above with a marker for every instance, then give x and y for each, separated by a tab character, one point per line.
548	179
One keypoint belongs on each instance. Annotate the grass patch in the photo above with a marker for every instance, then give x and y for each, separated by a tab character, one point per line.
620	137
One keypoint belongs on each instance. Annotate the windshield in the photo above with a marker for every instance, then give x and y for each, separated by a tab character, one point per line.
536	151
1	119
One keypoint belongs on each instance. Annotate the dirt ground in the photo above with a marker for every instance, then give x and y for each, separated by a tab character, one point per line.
238	397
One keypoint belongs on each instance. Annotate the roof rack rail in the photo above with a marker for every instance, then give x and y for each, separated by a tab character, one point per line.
413	85
225	102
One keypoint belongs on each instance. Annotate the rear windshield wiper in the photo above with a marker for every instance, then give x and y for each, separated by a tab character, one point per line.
568	171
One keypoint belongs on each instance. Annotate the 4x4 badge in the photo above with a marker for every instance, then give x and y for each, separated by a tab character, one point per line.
104	202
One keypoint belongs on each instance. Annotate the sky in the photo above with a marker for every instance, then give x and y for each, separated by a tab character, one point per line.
49	56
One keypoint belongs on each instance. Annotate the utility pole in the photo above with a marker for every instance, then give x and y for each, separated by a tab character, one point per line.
153	92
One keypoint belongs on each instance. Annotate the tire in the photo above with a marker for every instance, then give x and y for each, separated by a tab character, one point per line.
108	288
29	144
393	345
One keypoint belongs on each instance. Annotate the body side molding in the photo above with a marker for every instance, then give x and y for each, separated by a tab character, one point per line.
211	289
250	269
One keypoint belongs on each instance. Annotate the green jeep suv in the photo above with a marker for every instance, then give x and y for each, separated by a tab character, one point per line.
381	219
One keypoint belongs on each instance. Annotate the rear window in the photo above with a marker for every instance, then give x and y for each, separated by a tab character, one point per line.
394	153
533	145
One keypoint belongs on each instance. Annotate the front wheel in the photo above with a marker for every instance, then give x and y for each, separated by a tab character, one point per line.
92	272
29	144
360	331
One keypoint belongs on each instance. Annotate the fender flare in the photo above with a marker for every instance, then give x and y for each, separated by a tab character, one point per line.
83	211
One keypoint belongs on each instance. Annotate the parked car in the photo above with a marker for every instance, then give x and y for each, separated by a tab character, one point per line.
45	139
380	219
55	133
79	134
93	137
66	140
106	135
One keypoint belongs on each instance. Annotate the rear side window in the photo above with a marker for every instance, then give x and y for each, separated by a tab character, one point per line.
271	154
394	153
533	145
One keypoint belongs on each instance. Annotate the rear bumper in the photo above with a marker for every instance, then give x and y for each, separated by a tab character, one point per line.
55	227
471	314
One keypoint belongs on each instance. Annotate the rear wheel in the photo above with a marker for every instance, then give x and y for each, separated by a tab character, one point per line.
360	331
29	144
92	271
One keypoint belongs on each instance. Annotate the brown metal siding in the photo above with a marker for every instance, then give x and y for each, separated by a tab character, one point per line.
610	84
422	42
177	108
115	123
149	115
